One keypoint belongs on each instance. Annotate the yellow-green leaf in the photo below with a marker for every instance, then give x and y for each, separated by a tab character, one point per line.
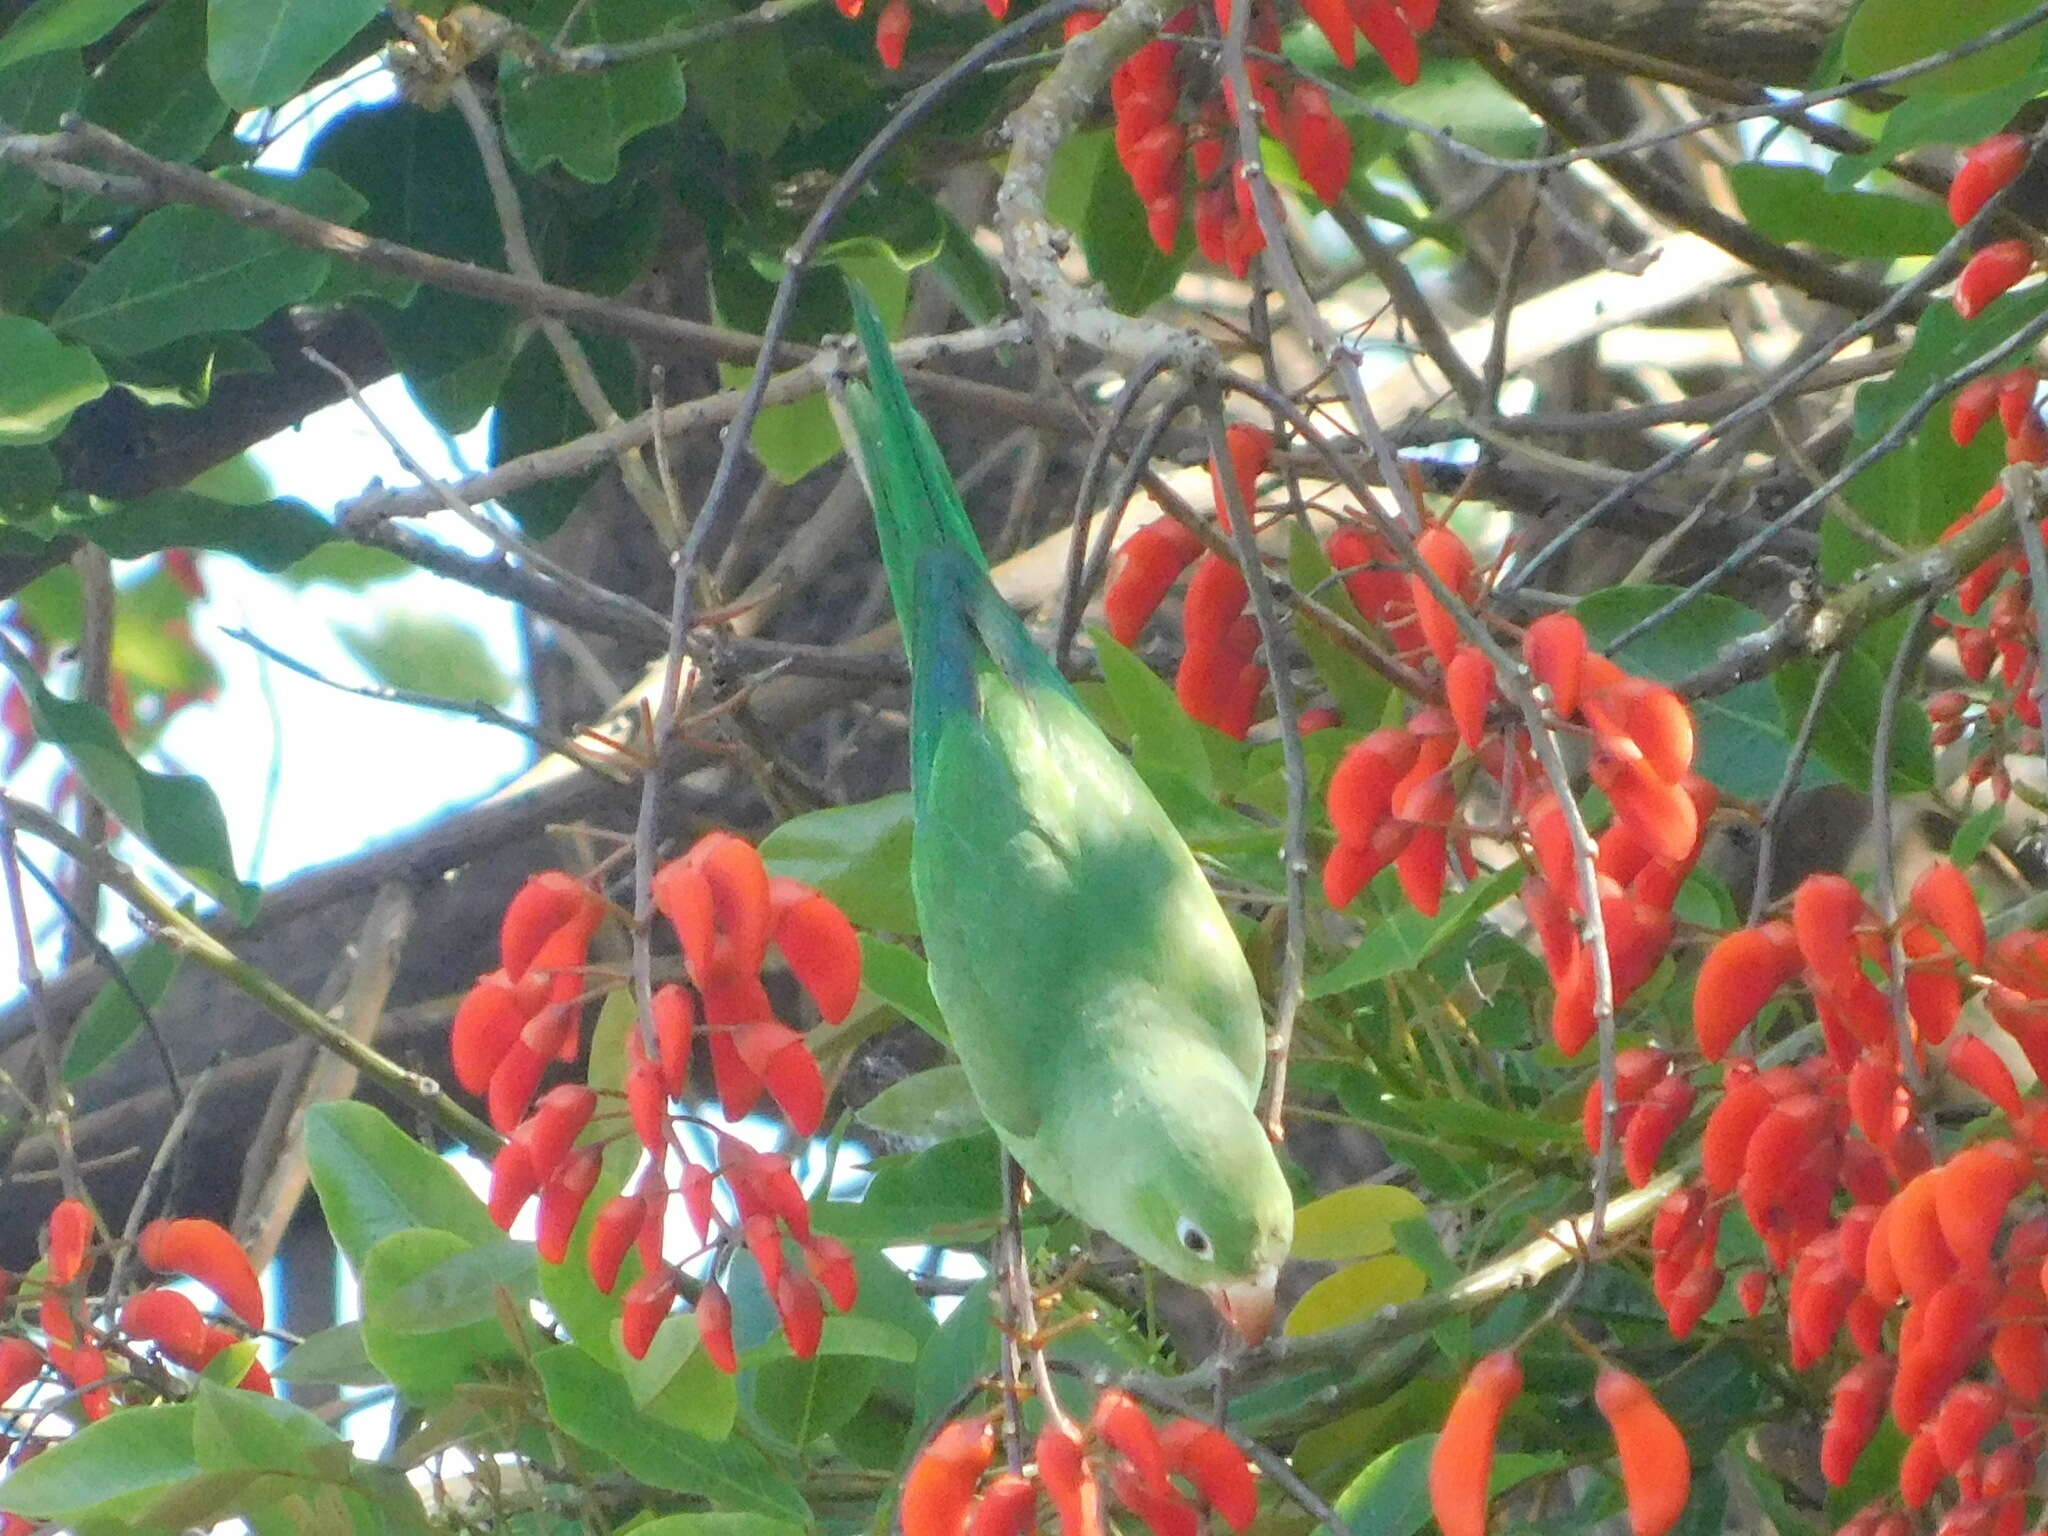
1353	1223
1355	1293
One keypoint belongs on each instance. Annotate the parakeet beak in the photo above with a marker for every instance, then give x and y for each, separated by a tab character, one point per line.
1247	1306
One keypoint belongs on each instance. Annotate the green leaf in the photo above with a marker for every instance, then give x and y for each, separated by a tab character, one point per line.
42	381
935	1104
536	409
1391	1496
270	536
1792	203
176	814
950	1193
1352	1223
262	52
1162	734
742	87
34	96
184	271
332	1357
859	855
153	91
237	1431
1742	741
1847	728
591	1404
1938	120
969	275
712	1523
426	188
49	25
1356	1291
902	981
679	1383
1090	193
1974	835
580	121
425	1367
352	567
1883	34
462	1288
428	653
109	1470
374	1180
961	1349
1403	939
112	1019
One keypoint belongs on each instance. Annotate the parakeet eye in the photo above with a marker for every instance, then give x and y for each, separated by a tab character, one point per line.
1193	1238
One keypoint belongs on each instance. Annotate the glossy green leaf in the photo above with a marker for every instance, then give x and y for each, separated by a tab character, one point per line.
1791	203
1884	34
742	86
591	1404
1742	745
1974	835
154	92
426	1366
1354	1292
425	186
270	536
715	1523
1090	193
677	1382
262	52
952	1192
176	814
428	653
1352	1223
902	981
42	381
1403	939
536	410
1391	1496
111	1020
935	1104
34	96
1162	734
49	25
183	271
109	1470
1847	727
332	1357
581	121
374	1180
462	1288
859	855
237	1431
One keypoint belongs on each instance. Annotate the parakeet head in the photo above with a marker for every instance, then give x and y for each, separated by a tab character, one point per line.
1209	1205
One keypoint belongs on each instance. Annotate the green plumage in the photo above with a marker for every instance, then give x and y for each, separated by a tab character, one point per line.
1090	983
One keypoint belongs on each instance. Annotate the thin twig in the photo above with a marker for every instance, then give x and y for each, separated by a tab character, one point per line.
1884	882
1294	838
1788	784
56	1112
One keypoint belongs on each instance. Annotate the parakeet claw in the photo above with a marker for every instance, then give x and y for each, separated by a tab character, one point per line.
1247	1306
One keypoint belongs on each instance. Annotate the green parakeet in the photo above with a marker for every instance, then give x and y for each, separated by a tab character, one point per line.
1090	983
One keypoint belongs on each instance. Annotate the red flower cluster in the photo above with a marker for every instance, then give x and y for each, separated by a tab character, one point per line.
892	25
1987	170
82	1354
726	911
1932	1269
1656	1469
1393	27
1167	142
1395	797
945	1495
1220	680
2005	718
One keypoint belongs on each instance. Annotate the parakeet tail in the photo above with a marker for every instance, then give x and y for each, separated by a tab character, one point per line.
917	508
